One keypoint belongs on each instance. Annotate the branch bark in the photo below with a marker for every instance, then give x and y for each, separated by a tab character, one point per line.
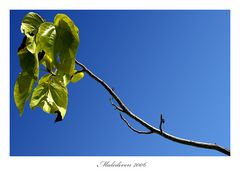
123	108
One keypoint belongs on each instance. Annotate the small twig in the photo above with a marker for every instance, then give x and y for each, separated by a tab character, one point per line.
162	121
135	130
82	70
116	107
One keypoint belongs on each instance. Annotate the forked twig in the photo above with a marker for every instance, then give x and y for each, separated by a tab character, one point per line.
135	130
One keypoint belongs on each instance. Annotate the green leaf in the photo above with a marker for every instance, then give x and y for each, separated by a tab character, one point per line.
63	78
22	90
66	79
45	38
30	23
78	75
28	62
48	62
67	42
51	95
31	45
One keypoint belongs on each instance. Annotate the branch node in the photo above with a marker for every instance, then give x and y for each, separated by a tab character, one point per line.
135	130
115	106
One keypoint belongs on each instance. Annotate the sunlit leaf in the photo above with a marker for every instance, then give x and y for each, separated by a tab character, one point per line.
31	45
22	90
45	41
30	23
51	95
63	78
77	76
45	38
66	79
67	42
55	46
48	62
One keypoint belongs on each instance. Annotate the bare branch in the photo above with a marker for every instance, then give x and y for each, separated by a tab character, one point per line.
135	130
147	125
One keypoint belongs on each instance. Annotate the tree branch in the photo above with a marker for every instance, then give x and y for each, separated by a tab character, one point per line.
151	128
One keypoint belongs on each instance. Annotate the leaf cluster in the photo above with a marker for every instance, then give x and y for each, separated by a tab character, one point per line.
54	46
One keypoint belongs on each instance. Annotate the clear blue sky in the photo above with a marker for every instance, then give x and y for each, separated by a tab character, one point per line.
172	62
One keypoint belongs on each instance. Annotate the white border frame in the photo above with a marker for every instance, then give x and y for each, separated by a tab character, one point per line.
79	165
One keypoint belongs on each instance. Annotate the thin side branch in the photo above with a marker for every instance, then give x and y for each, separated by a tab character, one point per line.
135	130
162	121
116	107
151	128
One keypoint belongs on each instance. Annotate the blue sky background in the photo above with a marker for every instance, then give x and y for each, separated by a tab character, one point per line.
171	62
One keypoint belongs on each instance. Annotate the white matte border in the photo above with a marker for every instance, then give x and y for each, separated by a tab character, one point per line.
72	165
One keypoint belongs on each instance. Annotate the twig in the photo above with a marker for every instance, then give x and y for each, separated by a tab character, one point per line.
116	107
135	130
148	126
162	121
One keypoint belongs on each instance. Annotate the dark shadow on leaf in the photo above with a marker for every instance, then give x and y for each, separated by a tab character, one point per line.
41	55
